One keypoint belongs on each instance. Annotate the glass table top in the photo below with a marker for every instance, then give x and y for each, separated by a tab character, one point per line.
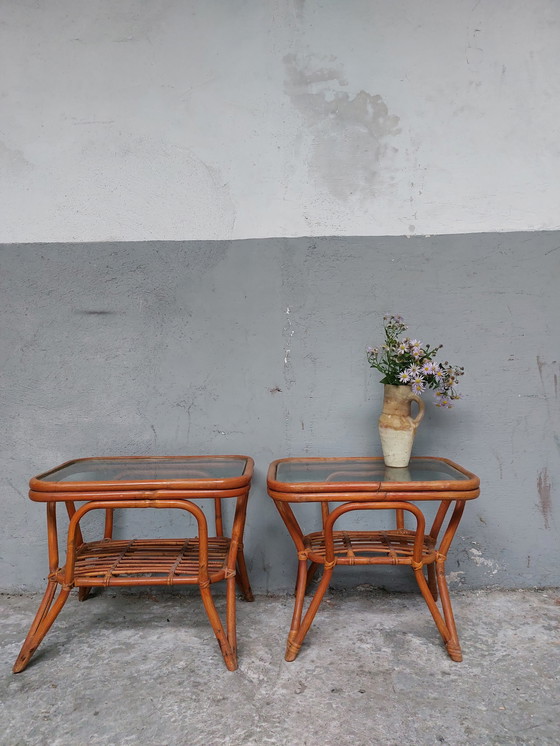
366	470
148	469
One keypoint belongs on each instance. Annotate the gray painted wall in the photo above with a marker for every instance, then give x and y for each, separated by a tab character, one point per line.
258	347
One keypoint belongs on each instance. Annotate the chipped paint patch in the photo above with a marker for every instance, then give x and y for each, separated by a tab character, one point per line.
455	577
288	333
478	559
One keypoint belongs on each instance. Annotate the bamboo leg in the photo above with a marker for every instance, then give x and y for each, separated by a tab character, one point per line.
432	583
301	579
218	516
231	625
432	606
242	576
71	509
313	567
297	636
83	592
452	640
47	613
452	644
108	532
44	606
229	658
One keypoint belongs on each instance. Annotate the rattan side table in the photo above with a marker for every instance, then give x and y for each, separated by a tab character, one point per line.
145	482
365	484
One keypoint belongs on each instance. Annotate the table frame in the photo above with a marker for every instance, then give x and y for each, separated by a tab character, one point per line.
201	561
417	549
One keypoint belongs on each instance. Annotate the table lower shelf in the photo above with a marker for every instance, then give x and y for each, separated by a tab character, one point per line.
369	547
147	562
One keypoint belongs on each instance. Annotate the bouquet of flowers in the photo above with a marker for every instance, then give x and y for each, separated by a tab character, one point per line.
405	361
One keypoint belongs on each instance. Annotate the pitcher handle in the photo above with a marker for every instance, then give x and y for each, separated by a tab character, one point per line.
421	406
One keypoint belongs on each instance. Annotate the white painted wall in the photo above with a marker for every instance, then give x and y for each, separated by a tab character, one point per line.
204	119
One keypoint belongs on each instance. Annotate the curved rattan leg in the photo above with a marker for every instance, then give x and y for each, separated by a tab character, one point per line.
46	614
230	658
242	577
298	606
432	606
44	606
231	624
296	639
452	644
432	582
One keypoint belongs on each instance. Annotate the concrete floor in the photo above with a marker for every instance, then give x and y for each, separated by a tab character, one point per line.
144	669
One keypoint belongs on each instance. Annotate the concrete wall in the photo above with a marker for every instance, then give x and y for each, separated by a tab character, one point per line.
241	119
258	347
191	128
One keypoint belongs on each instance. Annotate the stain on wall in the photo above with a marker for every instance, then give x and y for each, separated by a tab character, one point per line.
12	160
353	135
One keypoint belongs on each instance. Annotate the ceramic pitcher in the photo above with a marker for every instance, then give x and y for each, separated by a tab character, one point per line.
396	425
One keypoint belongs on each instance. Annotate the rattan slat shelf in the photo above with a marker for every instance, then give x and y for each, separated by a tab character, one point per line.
110	484
344	485
153	561
369	547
